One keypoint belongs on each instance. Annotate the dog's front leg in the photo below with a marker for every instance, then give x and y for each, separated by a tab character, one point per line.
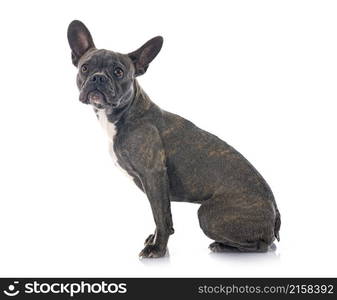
156	187
144	150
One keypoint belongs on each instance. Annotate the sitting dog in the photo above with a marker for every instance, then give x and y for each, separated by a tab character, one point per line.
168	157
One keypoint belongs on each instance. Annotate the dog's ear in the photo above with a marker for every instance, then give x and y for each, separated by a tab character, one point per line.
142	57
79	39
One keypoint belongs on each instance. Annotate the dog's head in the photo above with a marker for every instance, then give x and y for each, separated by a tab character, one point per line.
106	78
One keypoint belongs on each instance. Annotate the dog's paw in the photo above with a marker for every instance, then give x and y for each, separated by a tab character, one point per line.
152	251
149	240
220	247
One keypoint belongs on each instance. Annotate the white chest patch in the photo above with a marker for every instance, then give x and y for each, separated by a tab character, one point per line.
111	131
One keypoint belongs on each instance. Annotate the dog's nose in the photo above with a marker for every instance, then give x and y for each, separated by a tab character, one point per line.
99	78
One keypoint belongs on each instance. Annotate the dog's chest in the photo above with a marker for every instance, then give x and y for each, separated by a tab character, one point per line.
111	132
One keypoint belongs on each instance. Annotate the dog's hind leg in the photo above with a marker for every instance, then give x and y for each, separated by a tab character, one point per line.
241	223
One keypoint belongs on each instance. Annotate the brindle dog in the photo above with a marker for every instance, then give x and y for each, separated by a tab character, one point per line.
168	157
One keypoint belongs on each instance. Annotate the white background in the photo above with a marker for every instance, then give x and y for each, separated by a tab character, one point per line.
262	75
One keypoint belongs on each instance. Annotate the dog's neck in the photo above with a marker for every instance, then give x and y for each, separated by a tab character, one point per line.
138	105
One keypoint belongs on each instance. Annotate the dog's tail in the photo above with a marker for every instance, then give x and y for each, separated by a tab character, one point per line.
277	225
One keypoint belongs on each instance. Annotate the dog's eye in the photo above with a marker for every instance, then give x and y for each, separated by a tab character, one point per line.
118	72
84	68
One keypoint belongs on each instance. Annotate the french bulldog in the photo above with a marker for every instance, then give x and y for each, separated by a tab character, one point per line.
168	157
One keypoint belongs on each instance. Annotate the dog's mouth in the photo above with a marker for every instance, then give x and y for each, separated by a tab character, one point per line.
97	99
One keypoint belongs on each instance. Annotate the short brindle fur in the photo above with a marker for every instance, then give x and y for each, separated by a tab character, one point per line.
171	159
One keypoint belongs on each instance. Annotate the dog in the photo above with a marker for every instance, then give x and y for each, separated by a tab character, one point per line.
168	157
